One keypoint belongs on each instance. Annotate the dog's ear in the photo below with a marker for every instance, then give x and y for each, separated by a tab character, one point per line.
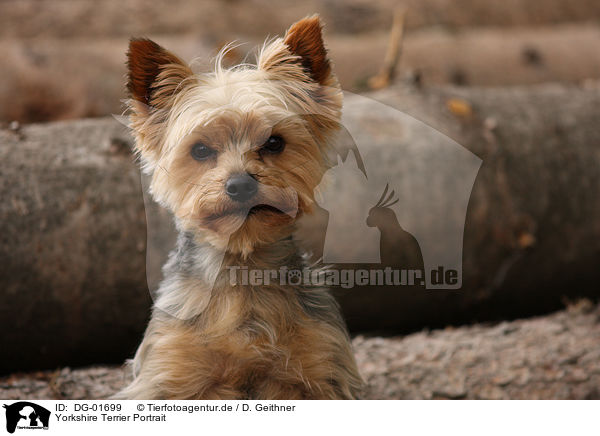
299	63
301	47
155	75
156	78
304	39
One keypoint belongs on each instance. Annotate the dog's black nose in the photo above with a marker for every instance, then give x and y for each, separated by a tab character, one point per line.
241	187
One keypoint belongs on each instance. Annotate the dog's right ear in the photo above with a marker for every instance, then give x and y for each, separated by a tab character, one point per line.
155	76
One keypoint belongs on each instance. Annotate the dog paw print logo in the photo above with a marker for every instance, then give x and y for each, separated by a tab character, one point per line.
26	415
294	277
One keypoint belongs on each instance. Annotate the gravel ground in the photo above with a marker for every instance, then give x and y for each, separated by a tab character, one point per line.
551	357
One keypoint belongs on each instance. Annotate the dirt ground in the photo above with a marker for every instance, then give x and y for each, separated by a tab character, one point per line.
551	357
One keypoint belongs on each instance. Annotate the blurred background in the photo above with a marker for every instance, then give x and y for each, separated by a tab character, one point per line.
514	81
64	59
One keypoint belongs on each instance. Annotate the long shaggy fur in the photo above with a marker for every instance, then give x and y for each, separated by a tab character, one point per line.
208	339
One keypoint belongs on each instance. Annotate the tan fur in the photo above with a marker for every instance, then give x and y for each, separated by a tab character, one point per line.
254	349
208	339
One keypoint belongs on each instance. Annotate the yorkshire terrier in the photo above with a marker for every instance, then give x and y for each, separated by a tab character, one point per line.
236	155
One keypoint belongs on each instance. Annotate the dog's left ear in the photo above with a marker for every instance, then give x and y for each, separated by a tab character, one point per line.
305	39
304	42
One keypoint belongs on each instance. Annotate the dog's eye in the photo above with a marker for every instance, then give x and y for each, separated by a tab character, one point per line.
202	152
275	144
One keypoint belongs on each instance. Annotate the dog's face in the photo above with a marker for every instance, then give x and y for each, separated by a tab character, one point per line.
237	153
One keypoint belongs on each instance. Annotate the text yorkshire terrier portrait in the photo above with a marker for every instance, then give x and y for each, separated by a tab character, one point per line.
219	211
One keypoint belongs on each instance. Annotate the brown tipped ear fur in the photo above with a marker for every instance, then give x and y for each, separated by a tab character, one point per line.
304	39
154	73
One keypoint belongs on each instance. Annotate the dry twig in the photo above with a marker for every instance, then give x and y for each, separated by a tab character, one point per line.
388	71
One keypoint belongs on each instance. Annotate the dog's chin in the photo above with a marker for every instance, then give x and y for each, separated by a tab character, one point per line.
241	230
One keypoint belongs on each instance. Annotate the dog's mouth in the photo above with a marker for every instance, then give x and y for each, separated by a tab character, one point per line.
255	210
266	208
275	206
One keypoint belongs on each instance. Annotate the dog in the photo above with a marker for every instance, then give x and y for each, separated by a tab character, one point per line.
236	154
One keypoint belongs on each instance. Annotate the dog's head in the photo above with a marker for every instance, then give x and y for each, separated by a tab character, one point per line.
236	153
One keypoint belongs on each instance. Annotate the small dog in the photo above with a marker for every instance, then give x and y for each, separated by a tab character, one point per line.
236	155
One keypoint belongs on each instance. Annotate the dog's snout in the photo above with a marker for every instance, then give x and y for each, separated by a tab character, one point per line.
241	187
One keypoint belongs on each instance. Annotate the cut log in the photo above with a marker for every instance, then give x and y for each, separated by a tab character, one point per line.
531	237
58	79
72	245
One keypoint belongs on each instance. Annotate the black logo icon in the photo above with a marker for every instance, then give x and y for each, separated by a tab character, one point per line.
24	414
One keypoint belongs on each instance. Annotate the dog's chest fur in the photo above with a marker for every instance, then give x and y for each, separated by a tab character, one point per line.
243	341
